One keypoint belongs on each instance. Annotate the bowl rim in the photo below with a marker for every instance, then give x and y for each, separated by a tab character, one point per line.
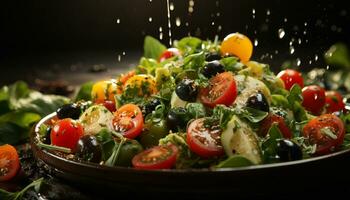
96	166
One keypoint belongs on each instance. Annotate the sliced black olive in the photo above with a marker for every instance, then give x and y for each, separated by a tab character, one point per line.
150	106
287	150
88	149
71	110
177	118
212	68
187	90
212	56
47	139
258	101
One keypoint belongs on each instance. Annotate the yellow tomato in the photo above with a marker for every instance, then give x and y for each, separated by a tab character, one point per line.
145	84
238	45
104	90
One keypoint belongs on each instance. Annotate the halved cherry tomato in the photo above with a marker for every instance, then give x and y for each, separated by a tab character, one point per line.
9	162
171	52
158	157
334	102
66	133
104	90
326	131
291	77
110	105
269	120
204	140
128	120
314	99
238	45
222	89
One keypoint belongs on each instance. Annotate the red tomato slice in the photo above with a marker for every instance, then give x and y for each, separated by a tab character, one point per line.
291	77
204	141
171	52
269	120
334	102
9	162
222	89
66	133
326	131
128	121
158	157
314	99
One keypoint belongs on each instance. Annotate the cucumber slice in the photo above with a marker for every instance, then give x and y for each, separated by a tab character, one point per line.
239	138
176	101
95	118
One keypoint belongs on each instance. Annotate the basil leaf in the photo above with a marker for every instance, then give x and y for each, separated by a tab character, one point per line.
84	92
231	64
196	110
189	45
153	48
235	161
295	99
11	133
194	61
18	195
147	66
269	145
253	115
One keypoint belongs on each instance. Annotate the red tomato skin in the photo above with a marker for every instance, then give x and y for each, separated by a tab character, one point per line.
269	120
204	151
291	77
110	105
66	133
314	99
325	145
9	153
137	121
168	163
171	52
224	81
334	102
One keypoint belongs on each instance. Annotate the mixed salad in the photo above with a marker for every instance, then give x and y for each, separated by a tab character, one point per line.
199	104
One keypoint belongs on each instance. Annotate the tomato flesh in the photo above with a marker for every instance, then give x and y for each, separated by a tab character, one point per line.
326	131
128	121
314	99
169	53
110	105
334	102
291	77
158	157
269	121
66	133
204	140
9	162
222	89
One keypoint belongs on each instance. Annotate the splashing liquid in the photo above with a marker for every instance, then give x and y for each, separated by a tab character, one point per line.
169	22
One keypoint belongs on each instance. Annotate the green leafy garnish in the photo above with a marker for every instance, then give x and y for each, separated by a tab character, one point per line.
235	161
18	195
153	48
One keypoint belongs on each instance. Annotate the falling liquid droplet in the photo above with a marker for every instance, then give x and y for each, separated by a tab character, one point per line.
276	52
304	32
150	19
160	36
219	28
160	29
253	11
298	61
212	23
291	50
119	58
178	21
169	23
285	19
123	53
310	62
256	42
150	1
268	12
172	7
187	24
305	24
218	14
118	21
281	33
299	41
316	57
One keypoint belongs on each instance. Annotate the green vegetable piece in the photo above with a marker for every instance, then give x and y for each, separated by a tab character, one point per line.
338	55
231	64
189	45
196	110
235	161
153	48
84	92
18	195
153	131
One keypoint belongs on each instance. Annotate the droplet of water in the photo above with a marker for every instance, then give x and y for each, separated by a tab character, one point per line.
178	21
305	24
169	22
186	24
218	14
304	32
299	41
281	33
171	7
256	42
253	11
276	52
150	19
316	57
123	53
119	58
212	23
190	9
191	3
291	50
285	20
160	29
161	36
268	12
118	21
219	28
310	62
298	62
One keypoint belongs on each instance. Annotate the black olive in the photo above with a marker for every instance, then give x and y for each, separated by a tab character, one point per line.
47	137
177	118
287	150
186	90
212	56
212	68
88	149
150	106
71	110
258	101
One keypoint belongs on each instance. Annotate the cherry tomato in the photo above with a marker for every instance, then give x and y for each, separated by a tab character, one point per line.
169	53
326	131
238	45
9	162
110	105
204	140
222	89
66	133
269	120
128	120
334	102
123	79
291	77
314	99
158	157
104	90
145	84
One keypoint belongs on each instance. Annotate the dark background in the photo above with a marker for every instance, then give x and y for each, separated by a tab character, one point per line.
59	39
